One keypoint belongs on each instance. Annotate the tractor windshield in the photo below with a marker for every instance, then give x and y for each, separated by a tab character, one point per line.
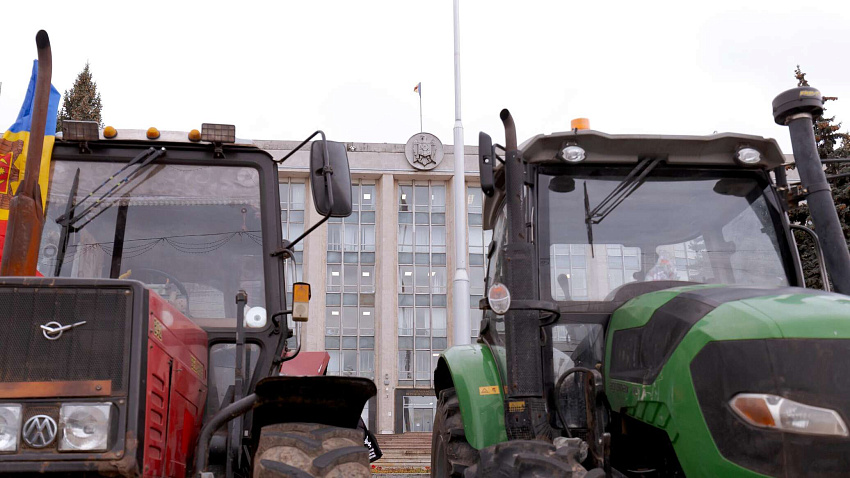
704	228
191	233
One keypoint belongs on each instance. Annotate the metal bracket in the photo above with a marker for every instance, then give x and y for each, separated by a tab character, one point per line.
283	250
218	153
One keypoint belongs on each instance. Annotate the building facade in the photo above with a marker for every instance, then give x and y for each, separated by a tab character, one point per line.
382	277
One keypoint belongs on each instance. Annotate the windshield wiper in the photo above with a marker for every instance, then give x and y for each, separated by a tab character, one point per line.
142	160
71	217
623	190
587	221
69	213
627	186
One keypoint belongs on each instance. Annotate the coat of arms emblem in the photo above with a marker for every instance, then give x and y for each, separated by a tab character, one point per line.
424	151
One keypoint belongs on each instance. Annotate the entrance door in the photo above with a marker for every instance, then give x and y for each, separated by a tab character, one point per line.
419	413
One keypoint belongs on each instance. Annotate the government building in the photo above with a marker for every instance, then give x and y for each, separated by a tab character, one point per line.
382	278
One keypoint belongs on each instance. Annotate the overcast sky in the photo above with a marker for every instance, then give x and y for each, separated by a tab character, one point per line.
284	69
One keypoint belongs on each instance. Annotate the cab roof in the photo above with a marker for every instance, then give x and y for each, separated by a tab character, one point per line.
164	137
716	149
624	149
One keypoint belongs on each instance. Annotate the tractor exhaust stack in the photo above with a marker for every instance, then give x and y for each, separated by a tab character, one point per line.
797	108
26	211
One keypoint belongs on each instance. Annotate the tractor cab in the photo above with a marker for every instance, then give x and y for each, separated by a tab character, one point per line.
619	216
189	226
637	216
194	221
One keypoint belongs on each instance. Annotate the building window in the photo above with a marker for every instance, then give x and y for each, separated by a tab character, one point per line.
422	280
569	271
292	192
350	287
479	242
292	209
623	263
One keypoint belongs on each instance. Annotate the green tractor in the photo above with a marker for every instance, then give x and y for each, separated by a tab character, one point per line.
645	314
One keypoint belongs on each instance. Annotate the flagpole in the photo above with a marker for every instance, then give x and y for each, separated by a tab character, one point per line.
460	284
420	109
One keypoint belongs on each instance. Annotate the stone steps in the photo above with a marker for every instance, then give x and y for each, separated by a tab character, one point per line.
406	454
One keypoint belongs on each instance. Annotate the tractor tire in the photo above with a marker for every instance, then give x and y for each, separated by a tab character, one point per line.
309	450
521	458
451	454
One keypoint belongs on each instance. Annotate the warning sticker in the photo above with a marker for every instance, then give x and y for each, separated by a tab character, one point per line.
489	390
516	407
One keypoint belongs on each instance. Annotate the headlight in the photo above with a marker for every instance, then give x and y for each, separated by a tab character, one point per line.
771	411
748	156
10	427
573	154
84	427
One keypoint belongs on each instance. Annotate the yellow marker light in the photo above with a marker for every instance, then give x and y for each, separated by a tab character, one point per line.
194	135
153	133
580	123
109	132
300	301
753	409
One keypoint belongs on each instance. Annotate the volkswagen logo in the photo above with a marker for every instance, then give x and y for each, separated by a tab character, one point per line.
39	431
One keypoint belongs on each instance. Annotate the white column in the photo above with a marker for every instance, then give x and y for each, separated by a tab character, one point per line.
314	272
386	300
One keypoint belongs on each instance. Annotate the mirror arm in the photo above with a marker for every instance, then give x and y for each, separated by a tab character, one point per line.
294	150
327	170
297	350
287	246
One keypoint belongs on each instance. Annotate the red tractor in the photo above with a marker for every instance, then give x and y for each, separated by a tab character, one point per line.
153	342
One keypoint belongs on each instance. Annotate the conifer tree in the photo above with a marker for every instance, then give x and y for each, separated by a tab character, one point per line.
82	101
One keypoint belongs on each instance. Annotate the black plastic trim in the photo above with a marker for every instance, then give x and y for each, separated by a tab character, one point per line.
640	353
810	371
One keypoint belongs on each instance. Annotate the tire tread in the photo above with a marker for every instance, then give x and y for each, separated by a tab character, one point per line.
328	451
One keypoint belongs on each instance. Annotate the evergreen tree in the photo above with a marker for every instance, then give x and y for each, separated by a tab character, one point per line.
82	102
832	144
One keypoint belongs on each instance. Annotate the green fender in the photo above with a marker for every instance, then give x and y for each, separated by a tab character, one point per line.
475	375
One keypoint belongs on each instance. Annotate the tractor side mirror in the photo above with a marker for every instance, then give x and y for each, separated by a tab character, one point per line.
330	178
486	157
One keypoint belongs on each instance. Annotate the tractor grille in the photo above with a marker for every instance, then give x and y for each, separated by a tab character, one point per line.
96	350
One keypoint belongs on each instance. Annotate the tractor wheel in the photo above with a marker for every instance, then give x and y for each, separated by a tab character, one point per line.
308	450
451	454
521	458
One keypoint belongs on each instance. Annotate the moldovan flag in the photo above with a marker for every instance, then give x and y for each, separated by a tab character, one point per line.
13	150
418	88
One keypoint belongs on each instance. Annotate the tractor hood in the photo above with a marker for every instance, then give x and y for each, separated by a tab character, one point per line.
675	358
645	331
